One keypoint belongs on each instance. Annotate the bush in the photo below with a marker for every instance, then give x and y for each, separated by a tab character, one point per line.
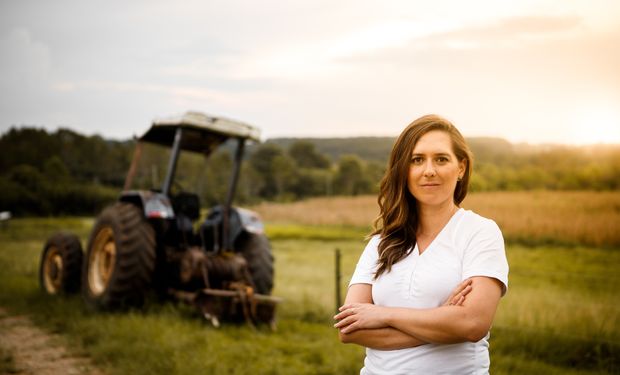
26	191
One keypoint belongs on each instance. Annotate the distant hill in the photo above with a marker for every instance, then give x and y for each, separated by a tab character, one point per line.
368	148
378	149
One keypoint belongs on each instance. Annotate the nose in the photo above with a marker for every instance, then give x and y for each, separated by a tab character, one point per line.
429	169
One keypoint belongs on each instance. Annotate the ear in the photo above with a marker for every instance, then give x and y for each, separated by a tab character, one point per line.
462	168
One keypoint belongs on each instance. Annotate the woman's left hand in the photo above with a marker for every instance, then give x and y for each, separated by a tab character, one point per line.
459	293
356	316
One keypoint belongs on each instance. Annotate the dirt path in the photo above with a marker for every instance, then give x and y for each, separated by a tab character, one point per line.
27	349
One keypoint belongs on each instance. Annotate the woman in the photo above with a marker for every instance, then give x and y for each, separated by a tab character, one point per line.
426	288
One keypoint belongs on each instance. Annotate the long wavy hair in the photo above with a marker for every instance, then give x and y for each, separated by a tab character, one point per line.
398	220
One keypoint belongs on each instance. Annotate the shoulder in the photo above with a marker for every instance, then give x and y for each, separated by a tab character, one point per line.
374	241
473	223
483	249
372	246
367	263
471	229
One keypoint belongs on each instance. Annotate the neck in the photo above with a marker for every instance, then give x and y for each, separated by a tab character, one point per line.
432	219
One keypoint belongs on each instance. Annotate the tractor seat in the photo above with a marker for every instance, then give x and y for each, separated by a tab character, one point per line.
186	204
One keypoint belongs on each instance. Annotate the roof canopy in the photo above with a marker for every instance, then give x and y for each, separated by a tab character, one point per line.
201	133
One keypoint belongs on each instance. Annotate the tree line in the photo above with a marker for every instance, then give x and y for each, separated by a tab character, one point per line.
64	172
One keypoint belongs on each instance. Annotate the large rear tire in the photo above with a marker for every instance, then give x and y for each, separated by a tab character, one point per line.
256	250
120	260
61	264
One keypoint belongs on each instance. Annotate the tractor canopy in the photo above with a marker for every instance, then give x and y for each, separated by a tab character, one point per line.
201	133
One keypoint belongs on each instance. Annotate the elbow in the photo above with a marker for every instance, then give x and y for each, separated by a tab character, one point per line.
476	336
476	331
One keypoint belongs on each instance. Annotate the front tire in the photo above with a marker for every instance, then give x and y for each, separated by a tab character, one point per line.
61	264
256	250
120	259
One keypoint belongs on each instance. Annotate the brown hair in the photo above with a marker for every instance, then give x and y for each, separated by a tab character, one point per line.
397	222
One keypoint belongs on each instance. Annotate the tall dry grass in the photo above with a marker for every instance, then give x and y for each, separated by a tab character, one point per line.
583	217
357	211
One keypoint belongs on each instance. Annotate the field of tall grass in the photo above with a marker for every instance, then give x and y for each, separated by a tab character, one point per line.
560	315
539	217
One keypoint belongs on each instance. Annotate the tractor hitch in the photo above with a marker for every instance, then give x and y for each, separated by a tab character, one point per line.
227	291
238	303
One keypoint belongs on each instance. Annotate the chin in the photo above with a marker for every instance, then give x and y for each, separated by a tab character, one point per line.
433	201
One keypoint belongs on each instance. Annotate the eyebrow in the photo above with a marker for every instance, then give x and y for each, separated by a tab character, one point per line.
437	154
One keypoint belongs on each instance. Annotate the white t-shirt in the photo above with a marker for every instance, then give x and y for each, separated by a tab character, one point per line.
469	245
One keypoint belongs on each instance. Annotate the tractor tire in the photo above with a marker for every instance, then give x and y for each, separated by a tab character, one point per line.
256	250
120	260
61	264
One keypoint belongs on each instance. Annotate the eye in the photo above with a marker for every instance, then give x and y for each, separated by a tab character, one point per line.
442	159
417	160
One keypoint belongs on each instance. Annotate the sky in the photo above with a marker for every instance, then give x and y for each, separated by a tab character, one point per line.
544	71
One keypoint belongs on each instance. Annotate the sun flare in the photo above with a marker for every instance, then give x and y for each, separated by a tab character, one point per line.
596	126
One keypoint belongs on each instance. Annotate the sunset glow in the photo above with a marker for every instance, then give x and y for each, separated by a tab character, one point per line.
596	125
529	71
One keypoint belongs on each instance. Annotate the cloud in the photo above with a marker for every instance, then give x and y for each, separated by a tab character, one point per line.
393	40
314	59
508	32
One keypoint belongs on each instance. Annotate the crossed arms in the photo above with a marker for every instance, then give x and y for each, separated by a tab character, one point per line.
465	316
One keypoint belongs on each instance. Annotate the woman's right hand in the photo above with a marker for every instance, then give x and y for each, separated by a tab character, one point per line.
458	294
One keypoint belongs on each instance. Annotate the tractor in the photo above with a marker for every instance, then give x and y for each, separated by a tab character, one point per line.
152	242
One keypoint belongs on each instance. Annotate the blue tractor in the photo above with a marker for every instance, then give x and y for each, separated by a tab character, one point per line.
152	240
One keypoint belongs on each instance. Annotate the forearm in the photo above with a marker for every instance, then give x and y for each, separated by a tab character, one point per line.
447	324
470	321
441	325
381	338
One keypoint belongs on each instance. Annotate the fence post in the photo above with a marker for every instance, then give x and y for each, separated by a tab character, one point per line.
337	267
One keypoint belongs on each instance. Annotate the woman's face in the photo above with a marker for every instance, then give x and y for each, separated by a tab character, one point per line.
434	170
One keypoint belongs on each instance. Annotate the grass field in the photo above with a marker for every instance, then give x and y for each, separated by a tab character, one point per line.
531	218
560	315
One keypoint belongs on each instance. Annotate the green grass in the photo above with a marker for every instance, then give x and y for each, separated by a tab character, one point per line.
315	232
560	315
560	309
